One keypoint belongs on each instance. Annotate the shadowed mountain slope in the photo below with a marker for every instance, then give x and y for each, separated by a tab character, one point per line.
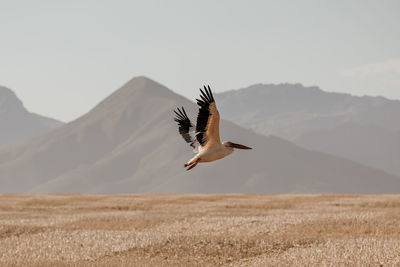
370	145
16	123
129	143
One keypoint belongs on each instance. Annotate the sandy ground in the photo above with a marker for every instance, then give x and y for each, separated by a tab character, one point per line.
199	230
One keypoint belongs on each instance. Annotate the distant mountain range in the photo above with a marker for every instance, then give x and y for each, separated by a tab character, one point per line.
363	129
129	143
18	124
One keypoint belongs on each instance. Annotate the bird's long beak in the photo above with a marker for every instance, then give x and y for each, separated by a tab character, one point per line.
239	146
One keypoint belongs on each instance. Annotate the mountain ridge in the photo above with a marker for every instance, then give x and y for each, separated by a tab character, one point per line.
17	122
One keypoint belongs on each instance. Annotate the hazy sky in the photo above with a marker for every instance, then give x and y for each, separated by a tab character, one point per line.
63	57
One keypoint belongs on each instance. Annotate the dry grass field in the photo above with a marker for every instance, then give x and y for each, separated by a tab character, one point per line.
199	230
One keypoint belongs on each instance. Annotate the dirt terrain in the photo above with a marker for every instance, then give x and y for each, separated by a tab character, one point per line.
202	230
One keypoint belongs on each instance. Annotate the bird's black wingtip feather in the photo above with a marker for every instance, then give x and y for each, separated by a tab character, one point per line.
211	94
184	112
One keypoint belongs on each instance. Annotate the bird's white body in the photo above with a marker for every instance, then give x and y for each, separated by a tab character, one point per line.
212	153
205	138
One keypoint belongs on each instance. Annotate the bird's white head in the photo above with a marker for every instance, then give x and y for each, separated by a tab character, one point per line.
233	145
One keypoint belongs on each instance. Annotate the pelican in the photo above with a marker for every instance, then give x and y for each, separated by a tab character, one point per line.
204	137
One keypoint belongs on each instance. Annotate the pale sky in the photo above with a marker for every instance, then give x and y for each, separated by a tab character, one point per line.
63	57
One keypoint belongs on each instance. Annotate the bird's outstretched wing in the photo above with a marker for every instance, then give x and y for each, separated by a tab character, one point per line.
207	127
186	128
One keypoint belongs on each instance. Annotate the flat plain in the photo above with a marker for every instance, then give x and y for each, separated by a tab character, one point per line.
199	230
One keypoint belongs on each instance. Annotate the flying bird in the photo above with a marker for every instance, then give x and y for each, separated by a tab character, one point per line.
204	136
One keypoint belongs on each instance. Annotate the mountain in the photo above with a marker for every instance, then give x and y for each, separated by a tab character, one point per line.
368	144
129	143
362	129
18	124
289	110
